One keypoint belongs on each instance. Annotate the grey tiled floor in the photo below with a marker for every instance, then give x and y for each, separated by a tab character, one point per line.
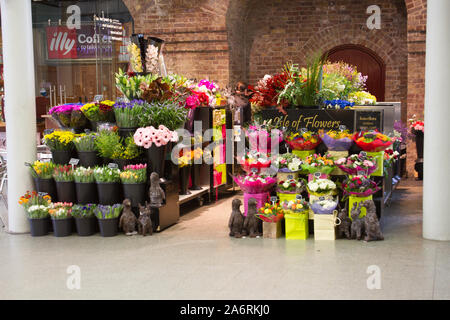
195	259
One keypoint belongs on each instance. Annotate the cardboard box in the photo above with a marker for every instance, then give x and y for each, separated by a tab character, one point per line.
325	226
272	230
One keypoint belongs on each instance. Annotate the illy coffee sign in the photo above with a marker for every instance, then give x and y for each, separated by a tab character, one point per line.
61	43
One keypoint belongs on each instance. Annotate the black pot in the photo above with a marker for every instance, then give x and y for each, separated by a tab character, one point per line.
195	176
39	227
66	191
109	227
88	159
106	161
136	192
61	156
419	143
62	227
48	186
127	132
86	226
86	192
109	193
189	124
123	162
156	157
184	179
309	107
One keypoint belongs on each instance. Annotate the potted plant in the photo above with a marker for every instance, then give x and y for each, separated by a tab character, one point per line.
96	112
62	220
127	116
134	181
37	205
85	186
108	219
296	216
42	173
184	165
86	149
85	219
271	215
105	143
69	116
61	145
108	185
126	152
65	187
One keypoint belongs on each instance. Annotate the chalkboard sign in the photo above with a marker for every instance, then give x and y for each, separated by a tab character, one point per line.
290	176
273	199
74	161
113	165
317	175
368	120
299	197
42	194
98	97
322	198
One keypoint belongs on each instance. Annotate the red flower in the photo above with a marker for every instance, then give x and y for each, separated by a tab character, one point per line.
203	98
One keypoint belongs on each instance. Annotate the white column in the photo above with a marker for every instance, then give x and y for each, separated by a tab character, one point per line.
20	104
436	195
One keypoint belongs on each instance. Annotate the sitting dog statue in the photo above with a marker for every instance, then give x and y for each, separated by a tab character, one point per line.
145	222
236	222
371	223
128	220
251	222
344	227
357	227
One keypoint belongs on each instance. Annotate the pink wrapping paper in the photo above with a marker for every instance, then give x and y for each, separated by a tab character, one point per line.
261	199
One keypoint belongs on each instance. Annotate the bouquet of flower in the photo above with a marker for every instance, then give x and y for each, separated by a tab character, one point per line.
135	57
145	137
152	59
416	125
390	156
85	142
206	92
35	205
68	115
59	140
325	206
254	183
130	86
83	211
108	212
337	140
320	187
362	98
134	173
372	141
83	175
260	136
106	175
256	160
360	186
340	79
266	92
127	113
63	173
270	213
291	186
99	111
317	163
43	170
302	141
297	206
60	210
288	162
356	163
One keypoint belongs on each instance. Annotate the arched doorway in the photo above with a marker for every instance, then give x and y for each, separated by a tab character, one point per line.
367	62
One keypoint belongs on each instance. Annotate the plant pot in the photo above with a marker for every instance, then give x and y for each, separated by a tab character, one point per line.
109	193
123	162
195	176
419	143
88	159
39	227
48	186
136	192
61	156
156	158
86	192
189	124
109	227
62	227
86	226
184	179
66	191
127	132
106	161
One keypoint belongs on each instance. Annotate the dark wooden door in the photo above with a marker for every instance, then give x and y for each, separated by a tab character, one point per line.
367	62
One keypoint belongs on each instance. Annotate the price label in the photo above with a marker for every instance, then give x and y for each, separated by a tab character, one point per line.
254	170
342	127
113	165
290	176
299	197
287	149
42	194
46	156
363	154
317	175
98	97
74	161
273	199
322	198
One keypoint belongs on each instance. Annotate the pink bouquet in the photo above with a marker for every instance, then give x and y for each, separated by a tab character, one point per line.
255	183
145	137
68	115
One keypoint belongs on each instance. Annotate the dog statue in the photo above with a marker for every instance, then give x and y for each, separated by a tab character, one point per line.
145	222
371	223
345	226
128	220
357	227
236	222
251	223
156	193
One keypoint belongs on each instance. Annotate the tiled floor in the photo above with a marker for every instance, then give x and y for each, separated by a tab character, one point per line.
196	259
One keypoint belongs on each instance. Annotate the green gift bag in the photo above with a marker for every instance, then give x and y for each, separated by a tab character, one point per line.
379	157
302	154
296	226
355	199
287	196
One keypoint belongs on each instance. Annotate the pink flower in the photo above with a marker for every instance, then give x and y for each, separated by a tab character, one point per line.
147	144
157	143
174	137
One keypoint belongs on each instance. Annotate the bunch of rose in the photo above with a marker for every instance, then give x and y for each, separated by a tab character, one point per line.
145	137
134	173
82	211
317	163
297	206
255	183
106	175
36	205
360	186
63	173
108	212
356	163
372	141
83	175
302	141
337	140
256	160
288	162
59	140
127	113
205	92
261	137
321	187
85	142
60	210
99	111
68	115
291	186
416	125
324	206
270	213
43	170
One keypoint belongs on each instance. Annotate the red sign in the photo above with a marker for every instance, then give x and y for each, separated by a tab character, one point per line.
61	43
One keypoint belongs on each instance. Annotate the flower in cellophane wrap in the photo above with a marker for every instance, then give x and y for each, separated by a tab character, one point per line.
337	140
261	137
288	163
254	160
324	206
321	187
292	186
254	183
356	163
372	141
316	163
68	115
359	186
296	207
270	213
303	141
